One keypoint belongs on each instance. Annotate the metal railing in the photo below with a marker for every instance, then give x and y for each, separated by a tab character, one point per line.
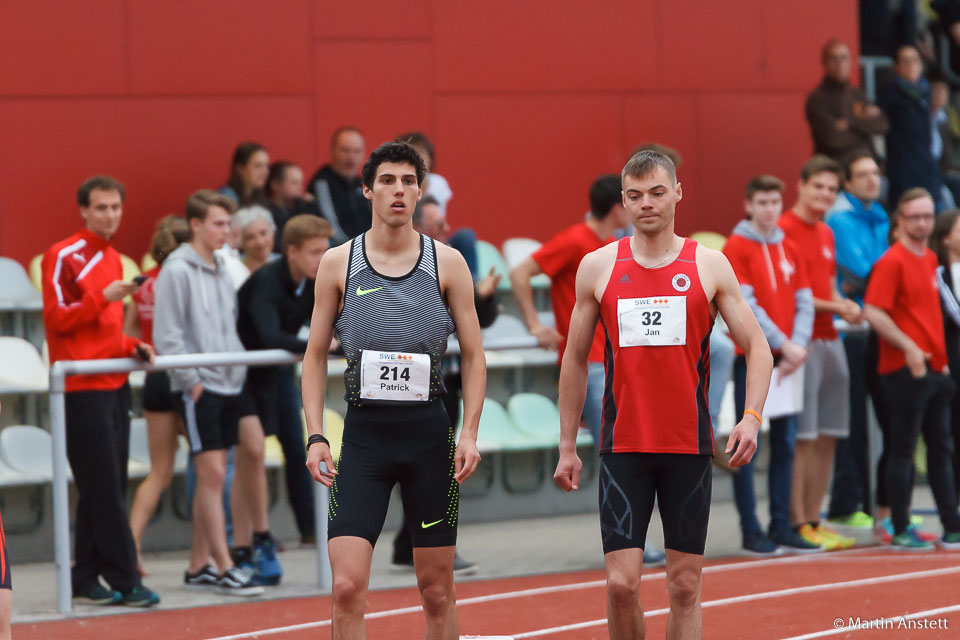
59	372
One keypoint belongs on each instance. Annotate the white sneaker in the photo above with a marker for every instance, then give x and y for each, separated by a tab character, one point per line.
235	582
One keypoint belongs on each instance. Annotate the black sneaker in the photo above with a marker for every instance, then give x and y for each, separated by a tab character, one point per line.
235	582
140	597
204	579
791	542
99	595
463	567
757	544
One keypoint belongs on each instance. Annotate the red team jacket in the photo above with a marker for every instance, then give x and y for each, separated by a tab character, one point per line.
80	323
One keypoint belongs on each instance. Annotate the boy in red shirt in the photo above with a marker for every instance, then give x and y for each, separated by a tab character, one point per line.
83	316
773	280
826	377
902	304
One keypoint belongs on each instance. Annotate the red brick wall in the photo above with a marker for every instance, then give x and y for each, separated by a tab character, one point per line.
527	101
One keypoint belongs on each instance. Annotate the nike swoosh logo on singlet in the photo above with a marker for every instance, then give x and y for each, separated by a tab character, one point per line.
363	292
427	526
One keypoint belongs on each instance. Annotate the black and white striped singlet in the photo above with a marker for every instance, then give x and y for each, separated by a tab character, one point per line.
383	313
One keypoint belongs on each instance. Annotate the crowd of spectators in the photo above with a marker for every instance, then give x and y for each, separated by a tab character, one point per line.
235	272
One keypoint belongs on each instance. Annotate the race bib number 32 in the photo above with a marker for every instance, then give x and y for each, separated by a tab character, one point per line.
658	321
390	375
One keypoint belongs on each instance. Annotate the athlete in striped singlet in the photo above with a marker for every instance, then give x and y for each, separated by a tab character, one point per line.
656	295
394	297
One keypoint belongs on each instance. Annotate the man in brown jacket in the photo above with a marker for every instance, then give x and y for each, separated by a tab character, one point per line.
841	118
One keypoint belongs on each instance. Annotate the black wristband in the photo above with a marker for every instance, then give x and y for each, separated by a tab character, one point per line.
315	438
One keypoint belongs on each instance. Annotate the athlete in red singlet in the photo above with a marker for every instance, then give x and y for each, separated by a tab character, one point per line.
656	296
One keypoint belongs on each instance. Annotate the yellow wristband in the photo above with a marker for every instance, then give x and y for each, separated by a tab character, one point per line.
754	414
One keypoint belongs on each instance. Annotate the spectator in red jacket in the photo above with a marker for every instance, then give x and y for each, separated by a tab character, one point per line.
83	316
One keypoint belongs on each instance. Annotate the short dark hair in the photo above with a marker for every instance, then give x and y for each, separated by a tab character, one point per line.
853	158
303	227
102	183
605	194
646	162
762	184
670	152
418	210
399	152
419	139
343	129
820	163
278	171
200	201
900	48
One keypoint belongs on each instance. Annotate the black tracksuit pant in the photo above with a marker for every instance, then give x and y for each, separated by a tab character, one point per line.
920	405
98	442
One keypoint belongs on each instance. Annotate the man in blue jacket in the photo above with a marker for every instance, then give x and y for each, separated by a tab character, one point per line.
861	227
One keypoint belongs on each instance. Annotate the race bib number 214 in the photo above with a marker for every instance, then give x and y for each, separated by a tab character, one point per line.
390	375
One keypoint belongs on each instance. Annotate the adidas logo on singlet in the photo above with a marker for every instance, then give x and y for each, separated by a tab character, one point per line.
624	279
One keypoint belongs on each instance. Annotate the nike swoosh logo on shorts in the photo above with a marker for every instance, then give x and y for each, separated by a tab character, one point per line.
427	526
363	292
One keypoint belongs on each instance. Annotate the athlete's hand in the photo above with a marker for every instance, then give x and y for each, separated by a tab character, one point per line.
196	391
318	453
744	437
547	337
567	475
145	353
466	459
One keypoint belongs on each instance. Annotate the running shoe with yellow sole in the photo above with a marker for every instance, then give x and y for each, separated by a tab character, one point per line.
813	536
842	542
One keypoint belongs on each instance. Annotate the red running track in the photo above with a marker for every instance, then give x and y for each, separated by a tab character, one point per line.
791	597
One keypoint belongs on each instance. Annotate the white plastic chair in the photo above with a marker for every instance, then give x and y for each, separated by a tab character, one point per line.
27	449
516	250
17	292
21	368
505	326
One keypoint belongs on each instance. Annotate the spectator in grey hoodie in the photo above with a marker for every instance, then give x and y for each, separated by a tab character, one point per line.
195	312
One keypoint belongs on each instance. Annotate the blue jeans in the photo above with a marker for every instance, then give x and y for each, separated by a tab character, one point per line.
783	437
593	403
722	355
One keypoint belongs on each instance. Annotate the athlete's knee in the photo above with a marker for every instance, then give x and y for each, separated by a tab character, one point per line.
349	593
623	590
684	589
437	596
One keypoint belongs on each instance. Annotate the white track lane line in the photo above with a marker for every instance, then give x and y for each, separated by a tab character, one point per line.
907	616
592	584
896	577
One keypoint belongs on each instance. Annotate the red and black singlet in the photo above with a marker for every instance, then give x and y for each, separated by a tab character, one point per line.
656	325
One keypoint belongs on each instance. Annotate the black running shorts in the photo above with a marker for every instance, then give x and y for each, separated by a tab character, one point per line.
212	422
157	395
682	485
383	446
